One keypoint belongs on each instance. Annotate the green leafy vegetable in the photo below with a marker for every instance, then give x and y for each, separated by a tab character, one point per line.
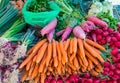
112	22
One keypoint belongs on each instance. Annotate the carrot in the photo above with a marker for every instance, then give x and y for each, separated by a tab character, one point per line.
96	50
37	78
59	68
80	61
94	73
58	52
31	69
36	48
90	65
83	69
71	66
49	54
76	63
55	61
41	53
63	69
71	50
94	44
64	53
93	59
54	48
67	44
24	76
69	70
42	64
43	77
28	65
30	50
99	68
93	53
35	71
34	58
82	52
74	48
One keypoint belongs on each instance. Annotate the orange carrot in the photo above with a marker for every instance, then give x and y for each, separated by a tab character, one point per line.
71	66
92	52
37	78
64	53
55	61
58	52
67	44
82	52
31	69
42	64
94	73
71	50
43	77
49	54
93	59
24	76
34	58
36	48
35	71
76	63
30	50
28	65
100	68
54	47
90	65
94	44
41	53
59	68
96	50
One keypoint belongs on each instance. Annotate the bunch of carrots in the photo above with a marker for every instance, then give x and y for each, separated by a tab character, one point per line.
62	58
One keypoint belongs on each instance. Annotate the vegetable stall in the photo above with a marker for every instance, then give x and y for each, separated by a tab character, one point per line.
59	41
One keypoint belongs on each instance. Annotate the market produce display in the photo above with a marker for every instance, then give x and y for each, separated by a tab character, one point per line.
59	41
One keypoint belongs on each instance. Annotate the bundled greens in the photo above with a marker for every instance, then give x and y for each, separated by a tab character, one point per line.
111	21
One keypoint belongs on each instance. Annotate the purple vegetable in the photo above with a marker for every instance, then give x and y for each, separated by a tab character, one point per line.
78	32
49	27
60	33
94	37
50	35
87	26
66	33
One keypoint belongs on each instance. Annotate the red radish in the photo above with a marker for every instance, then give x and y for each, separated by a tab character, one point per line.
117	44
105	29
114	81
87	26
98	31
118	25
96	81
115	77
60	33
53	81
50	35
99	37
111	73
59	81
105	33
49	27
78	32
114	59
112	67
89	80
108	39
114	51
110	30
86	75
118	65
114	39
117	71
103	41
118	55
118	36
106	69
106	64
94	37
97	21
66	33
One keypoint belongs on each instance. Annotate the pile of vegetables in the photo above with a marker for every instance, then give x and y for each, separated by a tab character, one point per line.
80	45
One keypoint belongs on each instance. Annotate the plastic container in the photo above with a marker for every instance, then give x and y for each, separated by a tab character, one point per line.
40	18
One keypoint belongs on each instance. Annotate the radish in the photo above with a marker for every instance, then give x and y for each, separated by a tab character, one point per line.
112	67
117	44
118	65
114	39
50	35
87	26
106	64
114	51
110	30
117	71
98	31
86	75
97	21
105	29
53	81
66	33
108	39
106	69
78	32
111	73
94	37
49	27
105	34
118	25
60	33
99	37
118	36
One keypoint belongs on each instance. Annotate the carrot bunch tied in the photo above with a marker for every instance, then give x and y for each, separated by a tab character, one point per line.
62	58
